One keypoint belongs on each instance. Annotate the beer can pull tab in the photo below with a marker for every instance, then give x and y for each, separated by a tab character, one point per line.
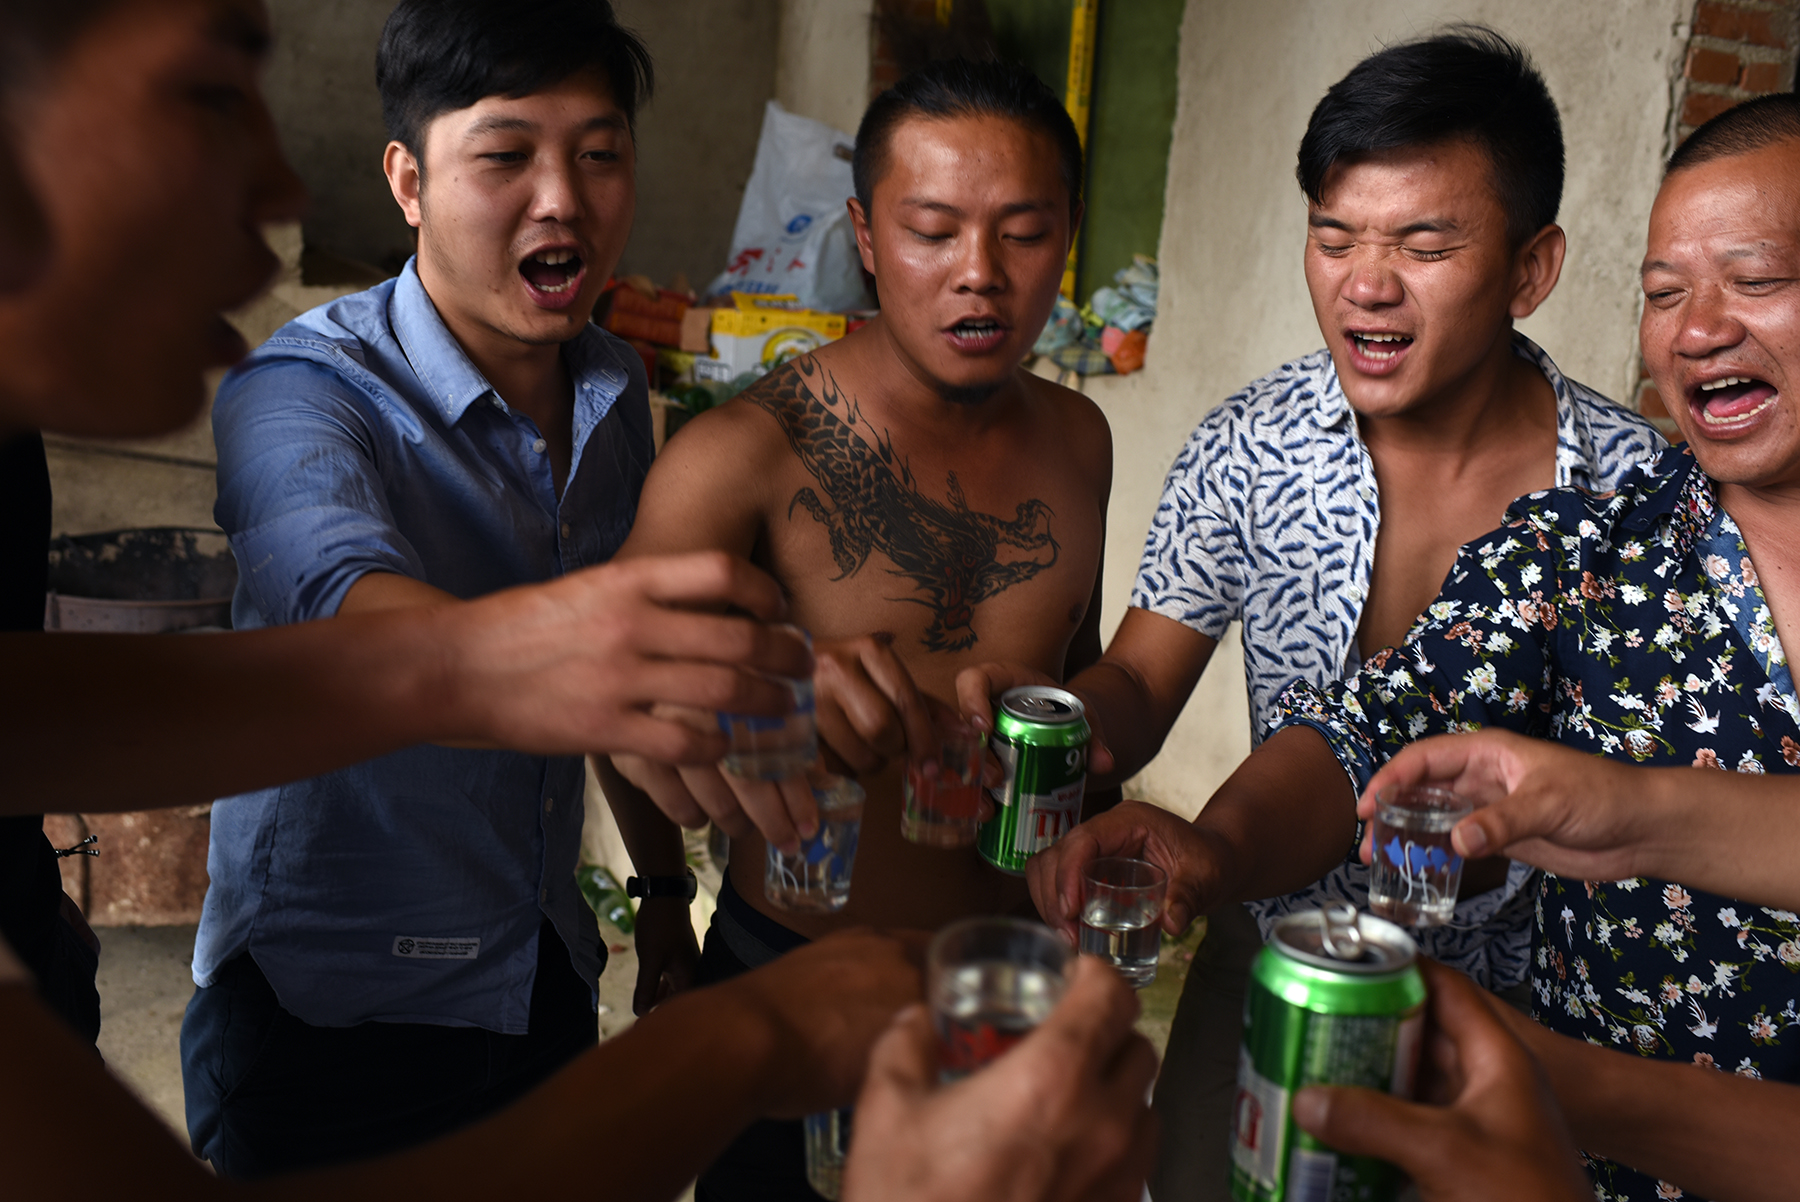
1339	934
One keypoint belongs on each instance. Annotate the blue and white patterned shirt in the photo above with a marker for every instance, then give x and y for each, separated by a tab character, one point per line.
1269	517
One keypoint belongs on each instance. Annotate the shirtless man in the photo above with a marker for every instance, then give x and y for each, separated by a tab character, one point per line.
925	502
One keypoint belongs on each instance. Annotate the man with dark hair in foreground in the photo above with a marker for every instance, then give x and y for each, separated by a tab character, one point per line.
1321	506
1647	625
161	98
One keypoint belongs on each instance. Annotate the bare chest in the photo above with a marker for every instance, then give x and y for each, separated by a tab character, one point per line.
961	560
1426	518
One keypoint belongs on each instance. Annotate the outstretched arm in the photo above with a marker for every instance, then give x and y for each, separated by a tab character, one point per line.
785	1040
1281	821
1589	818
1133	692
563	668
1705	1129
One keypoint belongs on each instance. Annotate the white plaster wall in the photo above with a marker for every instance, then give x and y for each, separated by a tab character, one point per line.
822	66
1234	304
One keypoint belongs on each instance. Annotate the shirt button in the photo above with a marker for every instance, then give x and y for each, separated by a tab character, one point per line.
566	530
539	446
1356	592
549	804
543	896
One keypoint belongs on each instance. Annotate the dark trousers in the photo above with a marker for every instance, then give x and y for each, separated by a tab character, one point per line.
767	1162
267	1093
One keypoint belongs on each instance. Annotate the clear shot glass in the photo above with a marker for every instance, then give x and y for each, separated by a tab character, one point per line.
763	748
1414	873
990	981
1120	916
827	1145
941	797
816	878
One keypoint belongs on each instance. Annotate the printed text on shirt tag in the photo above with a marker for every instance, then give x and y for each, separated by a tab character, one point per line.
421	947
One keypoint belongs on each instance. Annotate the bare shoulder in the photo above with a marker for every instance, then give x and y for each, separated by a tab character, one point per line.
1077	420
711	485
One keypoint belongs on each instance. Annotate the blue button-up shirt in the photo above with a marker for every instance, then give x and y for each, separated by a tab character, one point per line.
1270	517
360	438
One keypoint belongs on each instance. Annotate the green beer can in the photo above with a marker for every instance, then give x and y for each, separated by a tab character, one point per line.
1334	999
1041	739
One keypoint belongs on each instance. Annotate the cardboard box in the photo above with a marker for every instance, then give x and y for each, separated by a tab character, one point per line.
762	332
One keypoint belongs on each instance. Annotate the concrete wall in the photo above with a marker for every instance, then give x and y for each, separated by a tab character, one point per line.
822	66
1234	303
715	65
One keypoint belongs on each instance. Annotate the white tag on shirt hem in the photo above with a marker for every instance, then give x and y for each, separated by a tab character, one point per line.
421	947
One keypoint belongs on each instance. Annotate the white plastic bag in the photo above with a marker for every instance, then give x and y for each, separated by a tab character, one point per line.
793	232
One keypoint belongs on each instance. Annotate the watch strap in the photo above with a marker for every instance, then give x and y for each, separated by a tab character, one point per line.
685	886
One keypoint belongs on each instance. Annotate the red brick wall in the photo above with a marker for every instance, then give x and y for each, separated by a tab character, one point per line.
1736	49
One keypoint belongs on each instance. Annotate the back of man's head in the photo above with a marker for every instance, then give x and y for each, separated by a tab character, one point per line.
958	87
1748	127
1467	82
437	56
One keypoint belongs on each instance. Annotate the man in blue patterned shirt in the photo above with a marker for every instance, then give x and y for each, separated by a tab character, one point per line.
1322	505
1646	625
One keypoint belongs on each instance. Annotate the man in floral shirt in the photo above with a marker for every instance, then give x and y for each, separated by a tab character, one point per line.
1645	625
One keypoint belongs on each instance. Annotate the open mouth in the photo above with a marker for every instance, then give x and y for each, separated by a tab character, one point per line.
1377	351
1734	401
977	334
552	273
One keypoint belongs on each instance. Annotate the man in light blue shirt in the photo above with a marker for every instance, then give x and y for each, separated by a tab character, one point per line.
397	948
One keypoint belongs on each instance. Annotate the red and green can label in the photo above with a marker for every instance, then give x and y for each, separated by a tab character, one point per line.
1041	740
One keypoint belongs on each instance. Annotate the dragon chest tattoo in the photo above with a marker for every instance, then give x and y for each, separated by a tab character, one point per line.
868	501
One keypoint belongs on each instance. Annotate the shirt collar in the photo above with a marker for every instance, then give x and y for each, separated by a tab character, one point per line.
449	376
1333	407
1673	489
455	383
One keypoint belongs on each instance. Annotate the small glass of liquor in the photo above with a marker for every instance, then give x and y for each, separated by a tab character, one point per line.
941	802
990	981
1414	873
827	1144
1120	918
764	748
816	878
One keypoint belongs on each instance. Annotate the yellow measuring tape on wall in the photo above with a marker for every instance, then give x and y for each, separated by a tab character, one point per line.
1078	98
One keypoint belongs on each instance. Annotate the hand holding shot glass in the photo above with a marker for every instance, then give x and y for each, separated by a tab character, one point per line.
943	796
1121	916
773	749
989	982
1414	872
816	877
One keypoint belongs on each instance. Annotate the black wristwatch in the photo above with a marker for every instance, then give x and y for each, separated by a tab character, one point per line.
684	886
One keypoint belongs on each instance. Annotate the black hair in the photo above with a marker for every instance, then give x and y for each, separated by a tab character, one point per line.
959	87
440	55
35	33
1742	129
1465	82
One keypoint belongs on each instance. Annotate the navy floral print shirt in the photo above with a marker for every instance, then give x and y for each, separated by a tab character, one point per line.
1632	625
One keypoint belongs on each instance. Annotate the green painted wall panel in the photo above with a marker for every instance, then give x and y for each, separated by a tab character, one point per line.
1133	115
